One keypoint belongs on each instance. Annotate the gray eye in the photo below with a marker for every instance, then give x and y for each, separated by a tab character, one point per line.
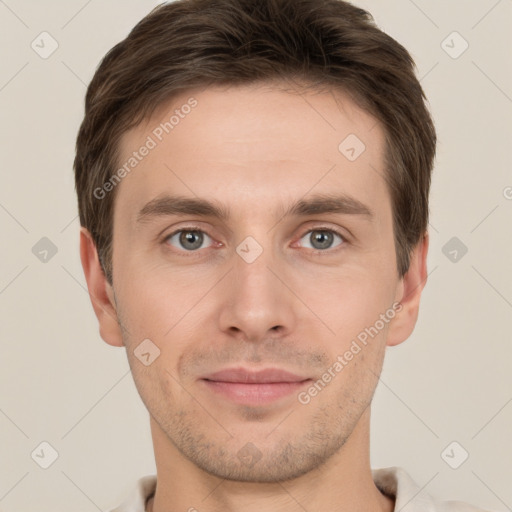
321	239
188	239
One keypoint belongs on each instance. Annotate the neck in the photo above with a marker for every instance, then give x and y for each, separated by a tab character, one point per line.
343	482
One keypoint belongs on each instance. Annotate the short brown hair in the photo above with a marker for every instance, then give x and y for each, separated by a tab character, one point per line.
198	43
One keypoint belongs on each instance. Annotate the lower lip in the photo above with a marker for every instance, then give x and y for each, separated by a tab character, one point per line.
256	393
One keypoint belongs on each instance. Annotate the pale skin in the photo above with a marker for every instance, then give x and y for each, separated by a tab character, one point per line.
256	150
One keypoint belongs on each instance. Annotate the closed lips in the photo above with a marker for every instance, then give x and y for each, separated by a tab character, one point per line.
264	376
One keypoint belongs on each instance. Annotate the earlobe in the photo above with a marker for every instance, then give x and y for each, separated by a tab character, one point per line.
408	295
100	291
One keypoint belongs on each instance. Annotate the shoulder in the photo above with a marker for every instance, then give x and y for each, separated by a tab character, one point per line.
410	497
136	501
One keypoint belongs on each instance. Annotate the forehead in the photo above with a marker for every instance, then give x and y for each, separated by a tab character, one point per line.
253	144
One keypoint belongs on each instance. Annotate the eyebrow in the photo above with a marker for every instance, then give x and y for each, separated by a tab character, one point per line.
168	205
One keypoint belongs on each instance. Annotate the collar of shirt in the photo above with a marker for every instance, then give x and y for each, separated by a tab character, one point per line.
393	481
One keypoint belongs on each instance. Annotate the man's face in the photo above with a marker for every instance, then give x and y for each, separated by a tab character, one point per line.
258	288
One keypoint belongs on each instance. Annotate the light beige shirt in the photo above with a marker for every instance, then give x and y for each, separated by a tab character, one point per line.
393	481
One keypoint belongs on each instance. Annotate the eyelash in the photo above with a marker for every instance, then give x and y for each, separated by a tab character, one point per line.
312	251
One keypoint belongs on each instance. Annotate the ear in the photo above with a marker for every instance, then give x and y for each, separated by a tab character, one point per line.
408	294
100	291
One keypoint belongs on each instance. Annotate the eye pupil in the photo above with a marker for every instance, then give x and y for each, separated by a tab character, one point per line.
323	237
188	236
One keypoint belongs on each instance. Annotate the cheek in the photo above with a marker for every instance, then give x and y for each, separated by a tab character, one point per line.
154	384
348	301
166	310
153	303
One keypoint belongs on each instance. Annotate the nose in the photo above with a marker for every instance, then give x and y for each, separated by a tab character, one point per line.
257	299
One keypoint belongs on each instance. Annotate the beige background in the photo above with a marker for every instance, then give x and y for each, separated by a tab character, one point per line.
60	383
